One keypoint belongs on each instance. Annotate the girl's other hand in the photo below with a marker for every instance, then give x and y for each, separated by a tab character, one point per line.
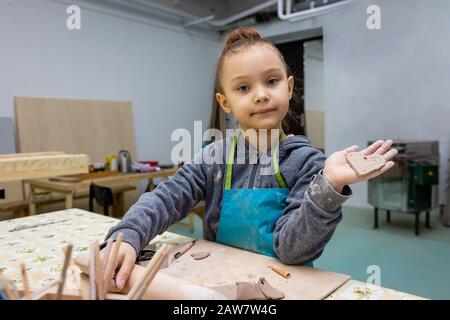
339	173
126	258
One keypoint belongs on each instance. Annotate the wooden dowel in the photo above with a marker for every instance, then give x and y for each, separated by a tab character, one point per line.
151	270
104	263
68	255
98	278
281	272
92	274
26	285
112	262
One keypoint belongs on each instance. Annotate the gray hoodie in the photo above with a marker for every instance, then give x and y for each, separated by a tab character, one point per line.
313	207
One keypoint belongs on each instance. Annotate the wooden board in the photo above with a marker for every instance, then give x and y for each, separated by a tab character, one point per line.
95	128
38	166
227	265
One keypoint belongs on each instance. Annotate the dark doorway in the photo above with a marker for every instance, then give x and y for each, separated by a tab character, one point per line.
293	55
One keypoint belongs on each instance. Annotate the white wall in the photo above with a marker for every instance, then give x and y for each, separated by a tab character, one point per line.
313	69
167	73
389	83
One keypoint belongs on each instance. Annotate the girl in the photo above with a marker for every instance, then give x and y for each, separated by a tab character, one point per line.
286	205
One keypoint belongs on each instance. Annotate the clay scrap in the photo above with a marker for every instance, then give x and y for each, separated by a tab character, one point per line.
200	255
261	290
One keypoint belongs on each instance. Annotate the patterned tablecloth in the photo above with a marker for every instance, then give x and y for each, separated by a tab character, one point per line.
39	241
357	290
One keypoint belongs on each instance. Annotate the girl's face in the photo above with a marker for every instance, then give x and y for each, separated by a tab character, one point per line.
255	87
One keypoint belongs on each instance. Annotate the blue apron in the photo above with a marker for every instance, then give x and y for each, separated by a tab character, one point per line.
248	216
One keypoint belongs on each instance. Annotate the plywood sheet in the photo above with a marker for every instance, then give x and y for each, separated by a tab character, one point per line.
227	265
93	127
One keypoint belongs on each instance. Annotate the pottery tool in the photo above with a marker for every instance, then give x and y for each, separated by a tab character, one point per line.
365	164
111	265
281	271
26	286
92	273
62	280
184	249
138	290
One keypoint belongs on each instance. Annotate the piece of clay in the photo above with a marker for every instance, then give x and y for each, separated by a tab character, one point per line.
269	292
257	291
248	291
200	255
364	164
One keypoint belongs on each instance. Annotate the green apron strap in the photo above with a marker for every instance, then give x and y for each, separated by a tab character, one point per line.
230	164
276	168
280	178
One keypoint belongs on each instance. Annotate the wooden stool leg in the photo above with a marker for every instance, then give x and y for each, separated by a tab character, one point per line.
375	218
427	221
69	200
119	204
417	224
31	203
388	215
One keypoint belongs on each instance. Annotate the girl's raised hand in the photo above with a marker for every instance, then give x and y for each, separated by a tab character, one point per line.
339	173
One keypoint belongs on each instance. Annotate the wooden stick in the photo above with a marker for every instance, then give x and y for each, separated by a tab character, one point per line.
98	278
26	285
281	272
68	255
112	262
151	270
104	263
92	274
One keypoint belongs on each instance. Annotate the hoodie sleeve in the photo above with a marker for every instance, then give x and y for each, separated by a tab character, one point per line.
313	210
170	202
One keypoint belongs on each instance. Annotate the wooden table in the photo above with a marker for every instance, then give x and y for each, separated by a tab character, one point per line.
70	189
38	241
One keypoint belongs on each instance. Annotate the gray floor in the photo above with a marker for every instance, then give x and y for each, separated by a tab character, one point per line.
415	264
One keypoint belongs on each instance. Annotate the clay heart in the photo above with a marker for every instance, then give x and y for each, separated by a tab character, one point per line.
364	164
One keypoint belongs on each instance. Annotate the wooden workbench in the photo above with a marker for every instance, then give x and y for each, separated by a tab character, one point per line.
70	189
38	241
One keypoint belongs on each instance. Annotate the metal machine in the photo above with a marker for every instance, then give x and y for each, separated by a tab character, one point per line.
412	185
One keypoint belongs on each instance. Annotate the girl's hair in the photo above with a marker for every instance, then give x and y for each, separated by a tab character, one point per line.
243	38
